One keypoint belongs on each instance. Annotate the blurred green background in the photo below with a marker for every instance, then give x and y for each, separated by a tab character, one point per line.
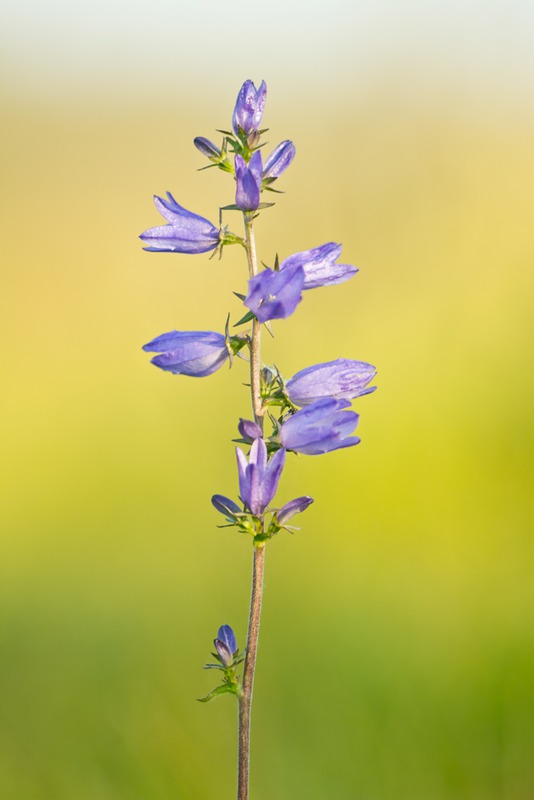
397	644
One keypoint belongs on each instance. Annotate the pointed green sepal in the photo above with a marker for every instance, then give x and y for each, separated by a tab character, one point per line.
230	238
270	189
249	316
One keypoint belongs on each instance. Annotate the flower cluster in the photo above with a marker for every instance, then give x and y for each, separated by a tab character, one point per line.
313	414
323	391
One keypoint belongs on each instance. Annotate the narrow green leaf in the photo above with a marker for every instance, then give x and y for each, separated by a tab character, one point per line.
226	688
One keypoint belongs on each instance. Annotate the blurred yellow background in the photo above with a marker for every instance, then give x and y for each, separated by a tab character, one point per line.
397	649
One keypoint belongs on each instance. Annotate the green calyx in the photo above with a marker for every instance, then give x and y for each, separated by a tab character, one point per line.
231	682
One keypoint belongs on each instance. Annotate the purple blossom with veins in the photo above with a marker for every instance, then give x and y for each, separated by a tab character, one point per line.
248	111
194	353
206	147
259	476
225	506
185	233
226	645
248	182
342	379
289	510
275	295
226	635
279	160
320	428
249	430
319	266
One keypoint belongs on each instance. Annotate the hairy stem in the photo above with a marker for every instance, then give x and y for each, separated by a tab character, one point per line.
245	700
255	367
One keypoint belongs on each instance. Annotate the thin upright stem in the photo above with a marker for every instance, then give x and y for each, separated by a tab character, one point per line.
255	366
245	699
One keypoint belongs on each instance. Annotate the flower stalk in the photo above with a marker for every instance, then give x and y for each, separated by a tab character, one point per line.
306	414
245	700
255	343
256	596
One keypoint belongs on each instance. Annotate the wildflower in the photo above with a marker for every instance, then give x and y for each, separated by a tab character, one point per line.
249	430
258	477
207	148
194	353
342	379
289	510
279	160
225	506
248	182
226	645
275	295
185	233
319	266
320	427
248	111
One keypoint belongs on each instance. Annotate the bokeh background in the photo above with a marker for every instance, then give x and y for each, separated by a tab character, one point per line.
397	645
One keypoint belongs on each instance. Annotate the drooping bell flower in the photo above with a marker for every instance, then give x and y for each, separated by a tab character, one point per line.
319	266
185	233
194	353
320	428
275	295
343	379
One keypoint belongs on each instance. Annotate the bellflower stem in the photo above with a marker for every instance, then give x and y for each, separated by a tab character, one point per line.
250	245
245	700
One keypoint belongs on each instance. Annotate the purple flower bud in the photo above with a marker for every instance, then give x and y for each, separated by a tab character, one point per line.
226	635
248	111
249	430
319	428
225	505
342	379
319	266
206	147
279	160
248	182
194	353
258	477
223	651
275	295
295	506
186	233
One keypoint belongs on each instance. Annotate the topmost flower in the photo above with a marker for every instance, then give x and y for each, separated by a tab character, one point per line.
249	106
